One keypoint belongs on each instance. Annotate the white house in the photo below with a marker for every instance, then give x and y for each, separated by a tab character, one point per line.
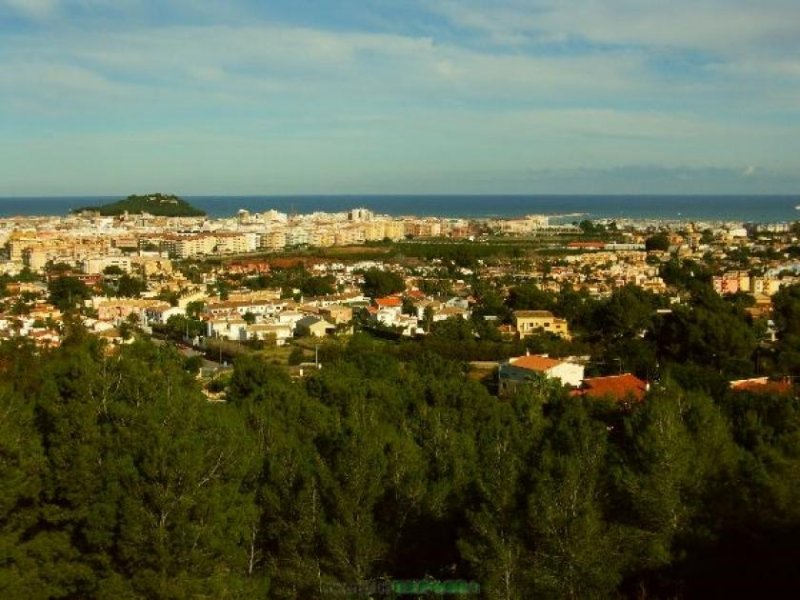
524	369
161	313
264	331
231	329
289	317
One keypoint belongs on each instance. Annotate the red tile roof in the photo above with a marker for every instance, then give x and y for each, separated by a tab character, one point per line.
617	387
536	363
389	301
587	245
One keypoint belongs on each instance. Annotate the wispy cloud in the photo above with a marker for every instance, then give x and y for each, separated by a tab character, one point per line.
490	87
32	8
729	27
256	60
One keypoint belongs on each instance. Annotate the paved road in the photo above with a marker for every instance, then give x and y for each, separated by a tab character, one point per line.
188	352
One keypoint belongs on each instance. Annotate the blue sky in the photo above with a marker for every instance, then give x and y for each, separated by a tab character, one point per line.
399	96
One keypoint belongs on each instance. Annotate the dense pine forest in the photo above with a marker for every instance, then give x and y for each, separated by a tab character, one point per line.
119	479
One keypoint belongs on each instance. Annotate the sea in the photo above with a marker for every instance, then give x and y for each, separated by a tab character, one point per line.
561	208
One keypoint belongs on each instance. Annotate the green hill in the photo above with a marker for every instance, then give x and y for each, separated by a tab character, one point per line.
161	205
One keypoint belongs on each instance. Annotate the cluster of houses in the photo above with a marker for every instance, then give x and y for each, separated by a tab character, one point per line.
33	241
419	312
624	388
258	315
524	370
732	282
267	317
144	247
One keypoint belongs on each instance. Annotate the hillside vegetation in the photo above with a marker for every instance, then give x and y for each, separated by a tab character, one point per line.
161	205
120	480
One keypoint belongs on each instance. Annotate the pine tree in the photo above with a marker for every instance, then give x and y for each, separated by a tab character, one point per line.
575	553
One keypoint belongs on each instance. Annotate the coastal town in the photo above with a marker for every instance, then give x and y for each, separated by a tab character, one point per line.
254	281
377	300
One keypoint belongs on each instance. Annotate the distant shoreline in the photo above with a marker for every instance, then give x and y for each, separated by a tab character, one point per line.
709	208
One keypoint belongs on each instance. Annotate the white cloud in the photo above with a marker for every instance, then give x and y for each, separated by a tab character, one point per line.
37	9
252	61
728	26
780	67
57	82
257	94
734	48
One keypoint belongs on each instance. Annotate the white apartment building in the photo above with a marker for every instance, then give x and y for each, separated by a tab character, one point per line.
297	236
98	264
275	239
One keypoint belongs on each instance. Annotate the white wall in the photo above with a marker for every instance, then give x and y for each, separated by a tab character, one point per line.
568	373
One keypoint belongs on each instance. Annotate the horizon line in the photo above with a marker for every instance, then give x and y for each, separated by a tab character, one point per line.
425	195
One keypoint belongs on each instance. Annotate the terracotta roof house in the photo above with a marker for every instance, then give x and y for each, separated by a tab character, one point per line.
389	302
536	362
620	388
525	369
